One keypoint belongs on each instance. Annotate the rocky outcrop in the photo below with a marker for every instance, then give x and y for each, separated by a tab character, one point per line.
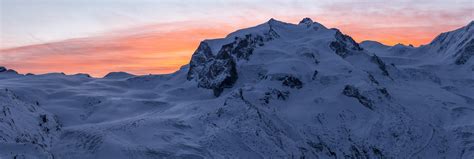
352	91
202	55
213	72
381	65
306	21
291	81
274	94
219	71
465	53
344	45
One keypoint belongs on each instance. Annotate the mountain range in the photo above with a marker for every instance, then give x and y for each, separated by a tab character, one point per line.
276	90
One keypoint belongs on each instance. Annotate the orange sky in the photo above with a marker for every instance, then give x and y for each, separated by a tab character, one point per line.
142	53
163	48
147	36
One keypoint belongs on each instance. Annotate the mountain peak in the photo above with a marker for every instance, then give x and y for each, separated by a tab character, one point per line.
271	20
306	21
6	70
454	35
274	21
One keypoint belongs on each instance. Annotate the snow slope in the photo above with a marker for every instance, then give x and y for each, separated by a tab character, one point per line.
276	90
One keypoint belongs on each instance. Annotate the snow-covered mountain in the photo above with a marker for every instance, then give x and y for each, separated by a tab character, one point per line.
451	47
276	90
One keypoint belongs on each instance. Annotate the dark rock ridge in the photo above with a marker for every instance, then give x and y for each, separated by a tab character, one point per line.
465	53
352	91
344	45
306	21
212	72
381	65
218	71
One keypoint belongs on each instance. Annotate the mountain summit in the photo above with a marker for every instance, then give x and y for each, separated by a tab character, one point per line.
215	63
276	90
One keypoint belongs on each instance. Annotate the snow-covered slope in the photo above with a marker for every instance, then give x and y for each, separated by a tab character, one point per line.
26	129
276	90
453	47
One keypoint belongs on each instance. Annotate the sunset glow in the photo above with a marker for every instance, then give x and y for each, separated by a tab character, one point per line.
143	53
162	47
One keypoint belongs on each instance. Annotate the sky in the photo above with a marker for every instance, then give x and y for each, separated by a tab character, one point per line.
159	36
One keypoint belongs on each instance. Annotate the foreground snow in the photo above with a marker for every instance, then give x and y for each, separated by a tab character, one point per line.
276	90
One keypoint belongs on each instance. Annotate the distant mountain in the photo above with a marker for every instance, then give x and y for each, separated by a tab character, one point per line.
276	90
450	47
116	75
458	44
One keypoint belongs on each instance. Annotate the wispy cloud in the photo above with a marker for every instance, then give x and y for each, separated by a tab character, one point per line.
147	36
141	50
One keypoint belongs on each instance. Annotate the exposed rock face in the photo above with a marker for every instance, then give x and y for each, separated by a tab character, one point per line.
344	45
306	21
380	64
213	72
218	71
199	58
351	91
465	53
290	81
